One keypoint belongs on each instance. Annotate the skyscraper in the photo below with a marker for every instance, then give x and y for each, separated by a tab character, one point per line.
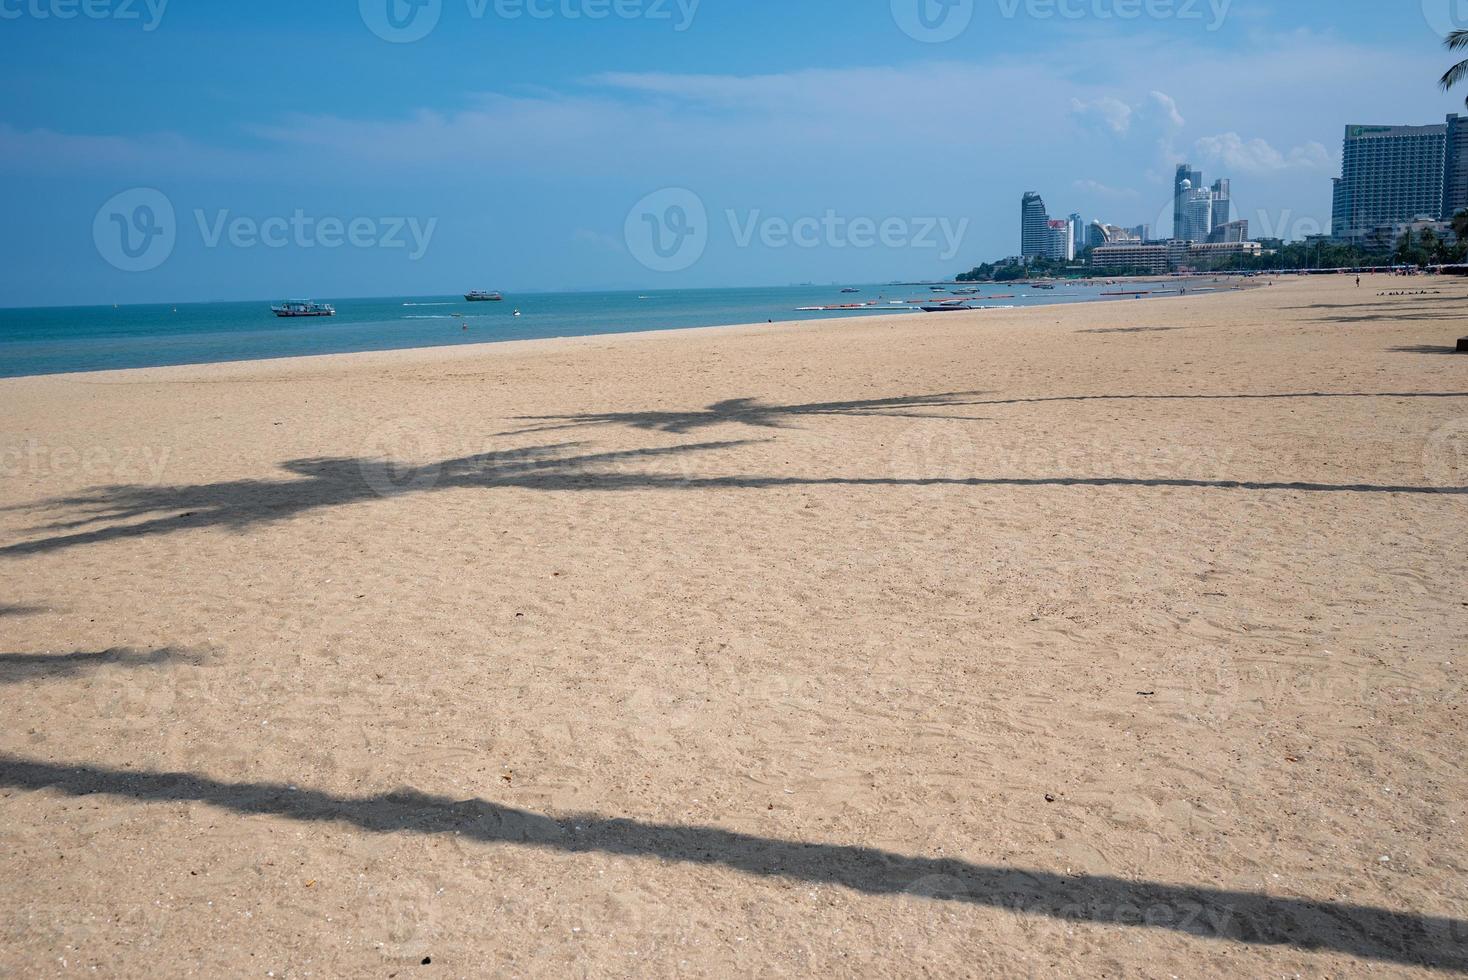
1222	204
1455	169
1197	214
1034	226
1395	173
1077	233
1197	209
1060	243
1181	194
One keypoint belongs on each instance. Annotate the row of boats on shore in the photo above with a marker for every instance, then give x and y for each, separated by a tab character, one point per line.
969	294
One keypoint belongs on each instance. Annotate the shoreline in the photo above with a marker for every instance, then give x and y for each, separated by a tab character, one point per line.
515	345
619	290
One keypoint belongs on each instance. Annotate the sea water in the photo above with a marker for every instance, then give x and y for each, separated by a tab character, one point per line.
49	340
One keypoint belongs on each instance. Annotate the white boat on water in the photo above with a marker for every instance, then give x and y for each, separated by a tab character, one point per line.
303	307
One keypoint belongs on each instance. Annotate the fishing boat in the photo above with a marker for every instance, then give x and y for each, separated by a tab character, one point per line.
303	307
850	290
483	296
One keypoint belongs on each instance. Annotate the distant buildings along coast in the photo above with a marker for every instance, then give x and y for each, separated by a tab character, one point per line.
1395	181
1400	178
1204	231
1042	237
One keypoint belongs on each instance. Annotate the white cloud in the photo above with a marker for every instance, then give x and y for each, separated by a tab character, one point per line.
1112	113
1164	108
1153	118
1257	156
1155	115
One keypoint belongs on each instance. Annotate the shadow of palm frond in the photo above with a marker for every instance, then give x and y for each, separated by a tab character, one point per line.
17	668
753	412
136	511
1424	349
1130	329
1205	912
1404	316
141	510
749	411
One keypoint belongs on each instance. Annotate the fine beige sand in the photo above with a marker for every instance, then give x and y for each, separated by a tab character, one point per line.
1096	640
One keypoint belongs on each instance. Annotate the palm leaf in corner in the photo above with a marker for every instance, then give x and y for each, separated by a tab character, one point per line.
1456	41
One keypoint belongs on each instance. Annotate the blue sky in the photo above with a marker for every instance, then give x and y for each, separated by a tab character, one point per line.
518	145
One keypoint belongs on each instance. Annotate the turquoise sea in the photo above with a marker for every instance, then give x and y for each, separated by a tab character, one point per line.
50	340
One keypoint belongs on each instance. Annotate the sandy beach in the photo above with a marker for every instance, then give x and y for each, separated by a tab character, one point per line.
1106	639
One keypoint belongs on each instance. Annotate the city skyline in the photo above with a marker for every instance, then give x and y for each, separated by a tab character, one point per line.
1201	213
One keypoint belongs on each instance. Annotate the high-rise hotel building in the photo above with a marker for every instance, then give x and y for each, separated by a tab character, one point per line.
1040	237
1455	167
1199	211
1034	226
1392	174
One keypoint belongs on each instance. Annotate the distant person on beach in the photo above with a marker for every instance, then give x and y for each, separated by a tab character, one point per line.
1358	282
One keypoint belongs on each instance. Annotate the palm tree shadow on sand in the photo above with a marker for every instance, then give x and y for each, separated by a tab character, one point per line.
753	412
1435	942
20	668
136	511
